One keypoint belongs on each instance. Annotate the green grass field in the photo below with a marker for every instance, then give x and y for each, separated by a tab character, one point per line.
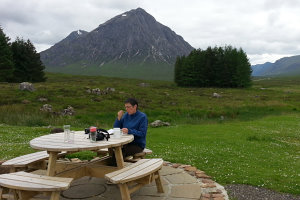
263	152
248	136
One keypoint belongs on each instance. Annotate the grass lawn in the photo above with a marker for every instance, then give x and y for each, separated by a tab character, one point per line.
263	152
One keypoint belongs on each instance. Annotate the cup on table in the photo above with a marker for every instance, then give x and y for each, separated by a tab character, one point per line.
93	134
117	132
67	133
71	137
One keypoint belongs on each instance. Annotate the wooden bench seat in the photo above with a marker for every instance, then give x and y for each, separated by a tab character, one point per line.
25	185
138	174
133	158
33	160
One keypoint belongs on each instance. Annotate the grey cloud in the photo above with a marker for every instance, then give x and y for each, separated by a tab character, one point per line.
276	4
14	13
260	27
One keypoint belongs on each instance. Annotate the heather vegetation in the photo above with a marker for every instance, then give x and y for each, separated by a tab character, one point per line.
247	136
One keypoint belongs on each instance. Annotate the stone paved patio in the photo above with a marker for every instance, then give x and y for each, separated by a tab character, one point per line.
180	182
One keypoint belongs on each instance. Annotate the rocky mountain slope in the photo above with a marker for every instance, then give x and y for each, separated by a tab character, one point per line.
283	67
132	44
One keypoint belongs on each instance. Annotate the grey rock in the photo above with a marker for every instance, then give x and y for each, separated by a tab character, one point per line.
110	89
42	99
68	111
144	84
216	95
89	91
159	123
26	86
96	91
46	108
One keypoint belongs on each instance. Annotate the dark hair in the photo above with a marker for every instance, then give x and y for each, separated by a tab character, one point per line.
132	101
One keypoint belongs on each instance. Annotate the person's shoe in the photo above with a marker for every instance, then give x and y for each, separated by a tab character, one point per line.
109	183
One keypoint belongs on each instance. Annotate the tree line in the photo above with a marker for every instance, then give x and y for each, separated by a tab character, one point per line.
19	61
213	67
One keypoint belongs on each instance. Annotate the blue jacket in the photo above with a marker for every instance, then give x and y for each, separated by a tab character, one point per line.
137	125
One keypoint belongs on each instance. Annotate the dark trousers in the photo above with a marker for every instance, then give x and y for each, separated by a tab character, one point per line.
127	150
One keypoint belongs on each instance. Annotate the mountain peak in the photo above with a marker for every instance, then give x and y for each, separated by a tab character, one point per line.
132	15
136	11
131	38
74	35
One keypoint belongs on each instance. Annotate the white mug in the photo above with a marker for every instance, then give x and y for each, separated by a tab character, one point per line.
117	132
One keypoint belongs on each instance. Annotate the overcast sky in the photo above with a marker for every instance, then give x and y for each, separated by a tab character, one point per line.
265	29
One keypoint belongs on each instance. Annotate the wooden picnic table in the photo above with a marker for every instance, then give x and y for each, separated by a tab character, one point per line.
129	179
54	144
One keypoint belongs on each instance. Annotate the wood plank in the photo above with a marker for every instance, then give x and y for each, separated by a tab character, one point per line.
51	163
20	185
134	168
149	168
43	181
24	160
54	196
158	182
25	174
119	157
124	192
100	171
139	173
126	168
54	142
24	195
137	170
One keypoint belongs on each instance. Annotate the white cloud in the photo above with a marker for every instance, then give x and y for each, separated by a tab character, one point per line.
265	29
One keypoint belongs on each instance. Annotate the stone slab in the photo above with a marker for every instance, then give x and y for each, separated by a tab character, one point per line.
147	198
152	191
182	178
167	170
186	191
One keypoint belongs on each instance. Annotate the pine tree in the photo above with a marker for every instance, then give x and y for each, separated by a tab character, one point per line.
28	66
6	59
214	67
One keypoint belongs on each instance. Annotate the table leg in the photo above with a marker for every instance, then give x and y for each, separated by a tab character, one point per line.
52	163
119	157
110	151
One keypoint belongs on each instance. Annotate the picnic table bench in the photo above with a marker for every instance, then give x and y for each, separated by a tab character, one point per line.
24	185
133	158
34	160
133	177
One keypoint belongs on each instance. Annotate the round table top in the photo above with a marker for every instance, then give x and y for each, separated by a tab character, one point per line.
55	142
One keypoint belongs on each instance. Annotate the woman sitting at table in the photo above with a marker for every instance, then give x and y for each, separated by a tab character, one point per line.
132	122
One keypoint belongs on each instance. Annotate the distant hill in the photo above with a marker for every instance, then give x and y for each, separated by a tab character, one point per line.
283	67
132	44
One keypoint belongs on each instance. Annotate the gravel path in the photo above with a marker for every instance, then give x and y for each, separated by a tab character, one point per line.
248	192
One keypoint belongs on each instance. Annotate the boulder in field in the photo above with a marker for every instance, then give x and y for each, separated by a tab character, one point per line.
26	86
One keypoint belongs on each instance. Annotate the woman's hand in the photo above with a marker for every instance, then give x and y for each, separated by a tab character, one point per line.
120	114
125	130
